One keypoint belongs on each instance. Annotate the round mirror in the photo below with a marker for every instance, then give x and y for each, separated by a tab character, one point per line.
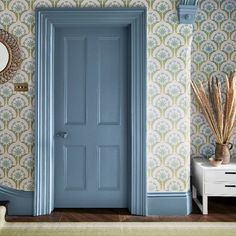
5	56
10	56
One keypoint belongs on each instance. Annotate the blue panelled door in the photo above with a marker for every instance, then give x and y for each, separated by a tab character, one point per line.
91	117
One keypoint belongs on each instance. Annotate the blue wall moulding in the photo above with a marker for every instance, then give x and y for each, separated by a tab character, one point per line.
169	203
187	11
20	202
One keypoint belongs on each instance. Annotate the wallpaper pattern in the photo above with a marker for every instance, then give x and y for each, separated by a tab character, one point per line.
168	139
213	54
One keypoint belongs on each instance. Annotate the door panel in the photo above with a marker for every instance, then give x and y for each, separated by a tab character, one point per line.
108	168
109	80
91	107
75	156
75	79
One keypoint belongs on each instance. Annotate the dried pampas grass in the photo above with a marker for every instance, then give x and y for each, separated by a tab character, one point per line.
220	116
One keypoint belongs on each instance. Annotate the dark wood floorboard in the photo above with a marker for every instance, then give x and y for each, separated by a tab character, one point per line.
220	209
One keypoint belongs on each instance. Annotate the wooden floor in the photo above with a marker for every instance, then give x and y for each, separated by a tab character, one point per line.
220	209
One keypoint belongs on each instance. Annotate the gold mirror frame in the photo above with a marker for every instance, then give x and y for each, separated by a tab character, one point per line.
14	56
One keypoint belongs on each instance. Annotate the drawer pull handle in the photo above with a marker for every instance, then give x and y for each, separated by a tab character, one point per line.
230	173
230	186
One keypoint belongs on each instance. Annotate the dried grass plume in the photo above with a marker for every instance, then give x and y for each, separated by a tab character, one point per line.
219	115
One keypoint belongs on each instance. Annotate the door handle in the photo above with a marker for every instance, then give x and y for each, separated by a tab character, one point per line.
62	134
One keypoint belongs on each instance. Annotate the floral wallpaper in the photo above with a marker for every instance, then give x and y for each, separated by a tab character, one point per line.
213	54
168	99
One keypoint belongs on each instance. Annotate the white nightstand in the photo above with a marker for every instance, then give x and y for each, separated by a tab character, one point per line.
212	181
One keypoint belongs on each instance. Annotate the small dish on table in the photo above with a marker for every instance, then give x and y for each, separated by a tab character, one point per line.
215	162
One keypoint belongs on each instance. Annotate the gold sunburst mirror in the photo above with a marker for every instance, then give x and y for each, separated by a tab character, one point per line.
10	57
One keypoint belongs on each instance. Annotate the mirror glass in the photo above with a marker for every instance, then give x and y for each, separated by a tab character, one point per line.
4	56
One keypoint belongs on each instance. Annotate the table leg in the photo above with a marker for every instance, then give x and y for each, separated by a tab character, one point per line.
202	206
205	204
194	192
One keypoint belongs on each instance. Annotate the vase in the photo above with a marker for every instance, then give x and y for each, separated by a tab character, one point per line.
222	152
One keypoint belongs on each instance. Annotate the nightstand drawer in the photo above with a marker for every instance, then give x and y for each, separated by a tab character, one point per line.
220	175
220	188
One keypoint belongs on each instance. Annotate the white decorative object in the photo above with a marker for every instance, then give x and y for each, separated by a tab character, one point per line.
211	181
215	162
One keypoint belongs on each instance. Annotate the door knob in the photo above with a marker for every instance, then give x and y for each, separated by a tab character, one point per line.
62	134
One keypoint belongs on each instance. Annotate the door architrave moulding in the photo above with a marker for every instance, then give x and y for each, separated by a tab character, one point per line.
47	19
